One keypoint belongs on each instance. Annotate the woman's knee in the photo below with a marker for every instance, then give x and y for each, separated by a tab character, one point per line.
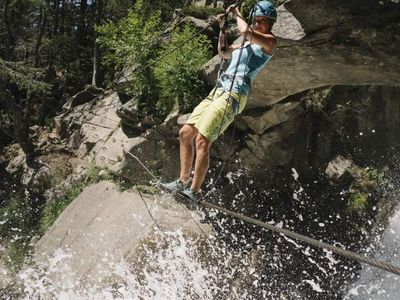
187	133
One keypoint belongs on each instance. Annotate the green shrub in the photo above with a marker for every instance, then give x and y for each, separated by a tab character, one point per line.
178	74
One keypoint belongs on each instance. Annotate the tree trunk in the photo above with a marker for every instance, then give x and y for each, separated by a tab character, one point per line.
61	19
10	36
21	119
43	21
21	131
56	16
96	54
81	32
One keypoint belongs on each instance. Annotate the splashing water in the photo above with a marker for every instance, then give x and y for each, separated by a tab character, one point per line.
374	283
166	267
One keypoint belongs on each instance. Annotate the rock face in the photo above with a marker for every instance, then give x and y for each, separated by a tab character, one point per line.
104	222
340	47
94	131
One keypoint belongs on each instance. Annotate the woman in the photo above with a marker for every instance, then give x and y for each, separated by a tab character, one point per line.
214	114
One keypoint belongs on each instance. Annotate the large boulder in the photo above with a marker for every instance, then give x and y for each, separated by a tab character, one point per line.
104	223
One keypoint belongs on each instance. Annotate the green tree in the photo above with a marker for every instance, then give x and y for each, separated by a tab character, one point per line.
178	74
133	41
19	88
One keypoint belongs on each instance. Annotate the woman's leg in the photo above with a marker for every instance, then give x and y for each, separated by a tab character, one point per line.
203	146
187	134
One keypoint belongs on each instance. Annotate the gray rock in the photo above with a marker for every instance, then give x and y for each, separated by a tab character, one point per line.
129	114
88	94
279	114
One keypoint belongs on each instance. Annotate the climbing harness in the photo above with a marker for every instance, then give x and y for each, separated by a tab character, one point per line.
337	250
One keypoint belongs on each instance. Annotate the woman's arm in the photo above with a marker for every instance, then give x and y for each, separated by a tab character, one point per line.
227	53
265	40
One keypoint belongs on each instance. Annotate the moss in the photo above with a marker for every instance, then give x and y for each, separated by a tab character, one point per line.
53	209
17	227
357	203
59	174
18	252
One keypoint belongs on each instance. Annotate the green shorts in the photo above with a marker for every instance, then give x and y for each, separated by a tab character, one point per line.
214	114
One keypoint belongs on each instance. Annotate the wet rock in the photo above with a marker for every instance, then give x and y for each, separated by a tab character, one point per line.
106	223
271	149
338	166
6	277
160	157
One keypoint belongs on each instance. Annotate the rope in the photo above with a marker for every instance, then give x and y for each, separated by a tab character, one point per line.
148	209
337	250
140	193
142	164
346	253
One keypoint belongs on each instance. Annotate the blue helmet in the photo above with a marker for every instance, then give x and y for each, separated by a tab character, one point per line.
265	9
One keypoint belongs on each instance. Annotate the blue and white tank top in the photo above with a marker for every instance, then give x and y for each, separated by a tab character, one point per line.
252	60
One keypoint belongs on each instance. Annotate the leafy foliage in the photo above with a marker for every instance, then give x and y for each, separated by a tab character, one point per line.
133	41
23	76
178	74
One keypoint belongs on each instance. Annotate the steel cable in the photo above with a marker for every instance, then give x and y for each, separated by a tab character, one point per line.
343	252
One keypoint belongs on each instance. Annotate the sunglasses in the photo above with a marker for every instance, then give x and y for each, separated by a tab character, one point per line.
261	21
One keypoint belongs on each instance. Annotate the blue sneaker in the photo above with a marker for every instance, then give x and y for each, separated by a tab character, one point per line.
190	195
174	186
